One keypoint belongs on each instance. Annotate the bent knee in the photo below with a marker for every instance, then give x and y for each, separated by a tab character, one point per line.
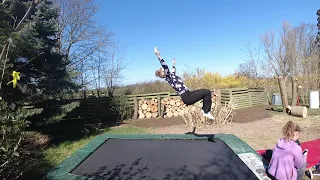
208	92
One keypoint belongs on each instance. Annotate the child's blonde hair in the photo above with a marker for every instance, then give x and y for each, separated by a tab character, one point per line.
289	129
159	73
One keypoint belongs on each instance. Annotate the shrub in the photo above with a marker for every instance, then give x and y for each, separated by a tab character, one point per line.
12	123
120	108
201	79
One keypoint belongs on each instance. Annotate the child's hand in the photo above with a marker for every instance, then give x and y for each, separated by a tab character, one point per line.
174	60
305	152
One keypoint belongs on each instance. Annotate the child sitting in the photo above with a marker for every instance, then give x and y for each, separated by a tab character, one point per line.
288	161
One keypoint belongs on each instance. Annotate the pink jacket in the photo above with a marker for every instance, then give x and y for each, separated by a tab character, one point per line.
286	158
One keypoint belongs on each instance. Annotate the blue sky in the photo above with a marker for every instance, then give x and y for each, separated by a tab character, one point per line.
208	34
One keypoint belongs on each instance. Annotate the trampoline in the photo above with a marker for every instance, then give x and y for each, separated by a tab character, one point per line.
166	157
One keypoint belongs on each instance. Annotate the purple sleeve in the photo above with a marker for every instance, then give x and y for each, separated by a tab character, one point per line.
299	158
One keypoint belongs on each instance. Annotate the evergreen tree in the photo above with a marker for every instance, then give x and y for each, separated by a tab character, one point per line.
43	70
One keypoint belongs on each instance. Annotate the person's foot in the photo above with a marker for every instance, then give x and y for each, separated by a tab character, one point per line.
208	115
157	52
313	172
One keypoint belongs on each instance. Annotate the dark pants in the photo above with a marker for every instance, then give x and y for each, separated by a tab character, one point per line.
191	97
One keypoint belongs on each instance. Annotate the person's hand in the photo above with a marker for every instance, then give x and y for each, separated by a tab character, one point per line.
305	153
174	60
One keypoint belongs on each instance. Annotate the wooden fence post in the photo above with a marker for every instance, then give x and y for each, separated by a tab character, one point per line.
159	106
250	98
218	94
136	107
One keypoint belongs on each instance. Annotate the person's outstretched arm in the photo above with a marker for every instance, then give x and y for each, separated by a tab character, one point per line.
174	65
162	62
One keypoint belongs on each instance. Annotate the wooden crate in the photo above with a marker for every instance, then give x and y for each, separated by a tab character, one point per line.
258	96
239	96
244	97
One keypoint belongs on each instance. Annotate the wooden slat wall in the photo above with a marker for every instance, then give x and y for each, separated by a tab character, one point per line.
258	97
244	97
241	97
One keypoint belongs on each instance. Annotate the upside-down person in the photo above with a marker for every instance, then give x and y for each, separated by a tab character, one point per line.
188	97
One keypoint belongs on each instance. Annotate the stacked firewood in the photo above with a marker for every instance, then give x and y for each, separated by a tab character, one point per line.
148	108
173	106
223	114
194	116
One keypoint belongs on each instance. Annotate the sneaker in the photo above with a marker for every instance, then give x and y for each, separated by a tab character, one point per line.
312	172
157	53
208	115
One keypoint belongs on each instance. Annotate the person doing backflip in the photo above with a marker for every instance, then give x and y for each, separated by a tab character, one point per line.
188	97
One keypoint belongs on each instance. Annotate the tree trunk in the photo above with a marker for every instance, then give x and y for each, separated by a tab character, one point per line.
283	92
294	91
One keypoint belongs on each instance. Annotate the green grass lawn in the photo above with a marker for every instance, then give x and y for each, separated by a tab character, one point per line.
55	155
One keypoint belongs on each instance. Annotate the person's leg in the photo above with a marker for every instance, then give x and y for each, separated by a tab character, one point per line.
301	171
192	97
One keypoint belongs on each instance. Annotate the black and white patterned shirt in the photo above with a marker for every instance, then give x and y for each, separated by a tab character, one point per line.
174	80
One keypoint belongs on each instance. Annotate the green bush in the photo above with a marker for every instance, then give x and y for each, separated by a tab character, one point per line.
120	108
12	123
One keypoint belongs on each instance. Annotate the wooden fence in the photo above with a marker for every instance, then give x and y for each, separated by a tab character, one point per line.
241	97
244	97
164	104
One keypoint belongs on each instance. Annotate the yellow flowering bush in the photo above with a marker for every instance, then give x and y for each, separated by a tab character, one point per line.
209	80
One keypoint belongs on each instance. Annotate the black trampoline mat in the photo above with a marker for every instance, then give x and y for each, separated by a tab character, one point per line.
164	159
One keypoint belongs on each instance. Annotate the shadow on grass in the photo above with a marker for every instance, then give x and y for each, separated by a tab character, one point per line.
75	121
275	109
70	120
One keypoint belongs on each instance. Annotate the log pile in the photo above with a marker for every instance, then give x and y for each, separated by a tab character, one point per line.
194	116
173	107
222	114
225	114
148	108
170	107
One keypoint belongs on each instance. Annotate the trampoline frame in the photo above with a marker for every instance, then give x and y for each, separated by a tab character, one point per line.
61	171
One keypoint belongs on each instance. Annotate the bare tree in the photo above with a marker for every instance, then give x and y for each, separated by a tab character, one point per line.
115	66
290	53
97	65
80	37
281	55
308	64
